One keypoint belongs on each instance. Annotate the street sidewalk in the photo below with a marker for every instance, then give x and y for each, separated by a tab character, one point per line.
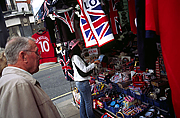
65	105
67	109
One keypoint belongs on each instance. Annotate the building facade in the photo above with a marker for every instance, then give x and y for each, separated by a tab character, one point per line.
19	19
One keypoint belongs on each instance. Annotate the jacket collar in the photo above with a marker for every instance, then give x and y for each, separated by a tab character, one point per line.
18	71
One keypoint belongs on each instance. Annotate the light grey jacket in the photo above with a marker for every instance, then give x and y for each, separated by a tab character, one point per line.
22	97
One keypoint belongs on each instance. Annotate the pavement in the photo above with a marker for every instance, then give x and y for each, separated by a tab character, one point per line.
68	109
65	104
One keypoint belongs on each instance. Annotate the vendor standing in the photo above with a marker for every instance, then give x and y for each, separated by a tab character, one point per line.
82	80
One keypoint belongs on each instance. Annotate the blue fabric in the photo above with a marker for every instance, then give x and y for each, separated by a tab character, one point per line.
86	110
150	34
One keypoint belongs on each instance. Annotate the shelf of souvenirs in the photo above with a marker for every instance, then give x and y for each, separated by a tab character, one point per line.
141	87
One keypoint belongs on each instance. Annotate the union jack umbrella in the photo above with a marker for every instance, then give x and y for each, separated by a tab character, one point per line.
66	65
94	24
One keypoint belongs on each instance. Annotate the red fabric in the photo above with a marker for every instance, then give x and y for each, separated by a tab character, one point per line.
132	15
168	22
151	17
44	44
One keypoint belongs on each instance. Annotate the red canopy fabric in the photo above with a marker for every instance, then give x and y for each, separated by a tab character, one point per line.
163	18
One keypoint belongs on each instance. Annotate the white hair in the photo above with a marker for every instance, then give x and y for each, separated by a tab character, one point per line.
14	46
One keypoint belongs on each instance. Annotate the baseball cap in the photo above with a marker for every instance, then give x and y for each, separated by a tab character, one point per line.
73	43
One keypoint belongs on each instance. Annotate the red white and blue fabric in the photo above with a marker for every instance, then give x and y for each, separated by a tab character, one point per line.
114	17
94	24
45	9
66	65
67	18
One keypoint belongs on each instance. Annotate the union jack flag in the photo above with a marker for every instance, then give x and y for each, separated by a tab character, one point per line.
68	18
44	10
66	65
114	17
94	24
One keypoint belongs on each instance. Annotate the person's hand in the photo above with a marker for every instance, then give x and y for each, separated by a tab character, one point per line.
96	62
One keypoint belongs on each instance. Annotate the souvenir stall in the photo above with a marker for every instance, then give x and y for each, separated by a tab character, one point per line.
131	80
128	83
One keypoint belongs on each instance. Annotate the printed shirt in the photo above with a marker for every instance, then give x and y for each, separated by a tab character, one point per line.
44	44
22	96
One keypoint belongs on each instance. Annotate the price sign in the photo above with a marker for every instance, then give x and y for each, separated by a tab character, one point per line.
93	51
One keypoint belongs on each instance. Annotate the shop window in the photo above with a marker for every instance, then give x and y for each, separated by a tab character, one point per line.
14	31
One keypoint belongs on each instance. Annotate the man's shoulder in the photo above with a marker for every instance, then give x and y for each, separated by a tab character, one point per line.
12	79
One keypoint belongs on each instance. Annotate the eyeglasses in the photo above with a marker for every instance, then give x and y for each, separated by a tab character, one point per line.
38	53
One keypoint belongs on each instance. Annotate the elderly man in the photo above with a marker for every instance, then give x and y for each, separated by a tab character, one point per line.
20	94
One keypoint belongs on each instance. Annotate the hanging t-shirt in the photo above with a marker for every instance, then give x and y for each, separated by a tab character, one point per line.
45	46
151	22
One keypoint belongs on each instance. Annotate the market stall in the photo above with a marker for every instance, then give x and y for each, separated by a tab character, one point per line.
131	80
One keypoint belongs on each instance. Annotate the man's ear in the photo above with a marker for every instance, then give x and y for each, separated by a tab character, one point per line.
23	56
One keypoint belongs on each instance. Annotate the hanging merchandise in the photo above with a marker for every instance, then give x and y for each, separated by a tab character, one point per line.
64	14
132	15
147	48
94	24
140	14
45	9
65	32
49	24
66	65
114	17
63	4
68	18
67	24
45	46
167	28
